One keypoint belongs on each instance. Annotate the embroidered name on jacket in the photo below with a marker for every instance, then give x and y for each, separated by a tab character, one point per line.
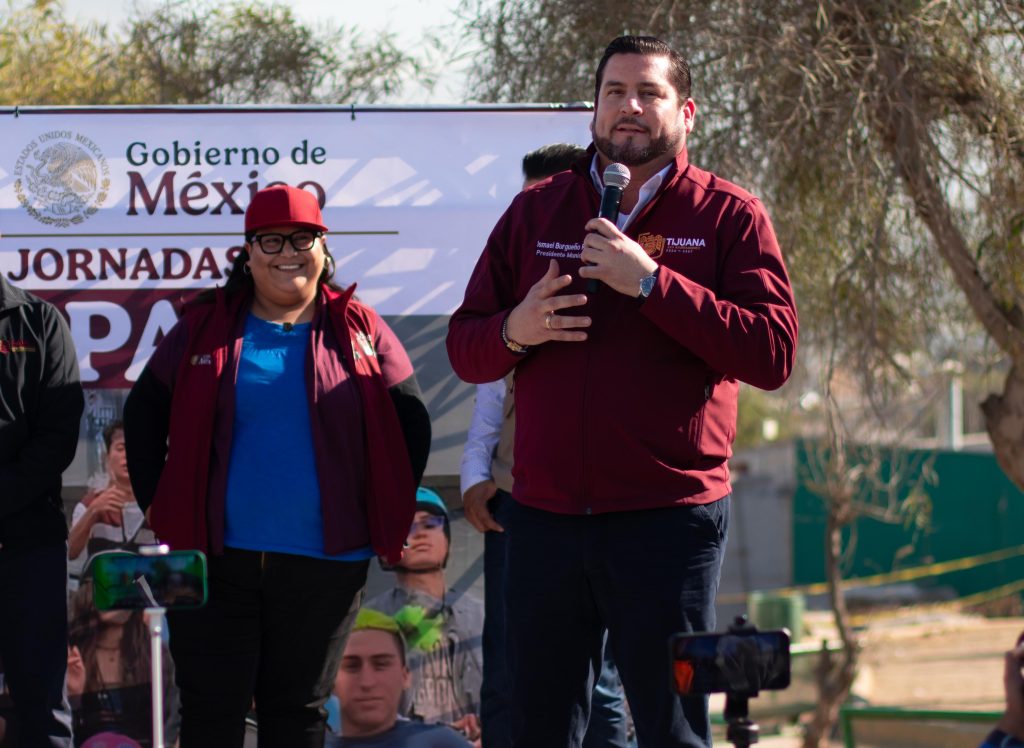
16	346
559	249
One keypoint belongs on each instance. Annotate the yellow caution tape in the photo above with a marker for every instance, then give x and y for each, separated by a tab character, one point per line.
903	575
978	598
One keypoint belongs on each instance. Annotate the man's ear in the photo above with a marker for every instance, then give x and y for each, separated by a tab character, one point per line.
406	678
687	113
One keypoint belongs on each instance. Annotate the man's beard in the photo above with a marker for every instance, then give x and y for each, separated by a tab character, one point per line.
631	154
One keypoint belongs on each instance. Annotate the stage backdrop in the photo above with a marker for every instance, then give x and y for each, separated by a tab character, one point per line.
116	215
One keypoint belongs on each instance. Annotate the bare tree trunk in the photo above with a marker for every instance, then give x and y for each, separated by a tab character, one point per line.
1004	419
835	674
913	150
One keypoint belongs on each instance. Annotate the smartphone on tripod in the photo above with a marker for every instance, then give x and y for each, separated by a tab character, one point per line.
174	580
736	661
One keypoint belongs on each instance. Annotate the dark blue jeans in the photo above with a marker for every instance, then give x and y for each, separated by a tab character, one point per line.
273	630
34	641
607	726
644	576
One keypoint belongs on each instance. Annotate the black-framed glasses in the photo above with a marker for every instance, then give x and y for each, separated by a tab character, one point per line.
430	522
272	244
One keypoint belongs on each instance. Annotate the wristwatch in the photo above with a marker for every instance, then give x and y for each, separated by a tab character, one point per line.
647	284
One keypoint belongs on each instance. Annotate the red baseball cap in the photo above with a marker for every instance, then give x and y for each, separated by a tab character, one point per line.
283	205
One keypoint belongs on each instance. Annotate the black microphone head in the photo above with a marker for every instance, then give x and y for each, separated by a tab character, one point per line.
616	175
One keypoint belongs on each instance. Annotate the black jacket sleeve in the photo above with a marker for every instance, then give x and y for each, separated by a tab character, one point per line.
147	422
52	419
415	420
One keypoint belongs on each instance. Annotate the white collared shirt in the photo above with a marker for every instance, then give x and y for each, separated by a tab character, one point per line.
646	191
483	434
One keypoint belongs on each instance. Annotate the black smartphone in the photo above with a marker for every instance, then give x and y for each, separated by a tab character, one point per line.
175	580
737	662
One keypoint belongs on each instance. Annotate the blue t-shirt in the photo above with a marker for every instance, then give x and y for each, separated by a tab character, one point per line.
404	734
273	496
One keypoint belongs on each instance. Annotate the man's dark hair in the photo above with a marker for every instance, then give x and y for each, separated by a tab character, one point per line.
551	159
648	46
110	429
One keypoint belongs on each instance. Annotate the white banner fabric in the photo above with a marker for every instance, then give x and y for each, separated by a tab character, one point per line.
114	214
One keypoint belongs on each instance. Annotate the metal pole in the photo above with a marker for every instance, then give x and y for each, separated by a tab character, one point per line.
155	620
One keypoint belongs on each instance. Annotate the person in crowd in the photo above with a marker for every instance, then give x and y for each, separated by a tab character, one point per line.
280	428
442	627
1009	732
486	482
41	403
370	683
109	519
626	399
109	675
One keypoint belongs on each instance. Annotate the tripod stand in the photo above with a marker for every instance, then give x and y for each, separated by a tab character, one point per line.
741	731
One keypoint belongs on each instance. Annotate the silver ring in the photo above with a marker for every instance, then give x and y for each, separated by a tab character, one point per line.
547	320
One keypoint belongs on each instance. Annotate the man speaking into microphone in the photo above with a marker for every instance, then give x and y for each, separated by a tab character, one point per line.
625	397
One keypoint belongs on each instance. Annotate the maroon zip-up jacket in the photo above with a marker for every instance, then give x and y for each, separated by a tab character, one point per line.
367	483
643	413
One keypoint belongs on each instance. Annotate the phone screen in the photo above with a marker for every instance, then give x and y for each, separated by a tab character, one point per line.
126	581
736	662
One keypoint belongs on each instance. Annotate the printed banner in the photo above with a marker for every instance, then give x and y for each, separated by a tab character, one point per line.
118	216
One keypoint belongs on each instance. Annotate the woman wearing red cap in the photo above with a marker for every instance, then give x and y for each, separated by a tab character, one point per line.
278	427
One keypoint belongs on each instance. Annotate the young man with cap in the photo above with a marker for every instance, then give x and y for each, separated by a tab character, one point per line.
369	685
268	430
442	628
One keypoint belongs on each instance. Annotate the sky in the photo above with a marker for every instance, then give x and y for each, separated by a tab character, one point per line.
408	19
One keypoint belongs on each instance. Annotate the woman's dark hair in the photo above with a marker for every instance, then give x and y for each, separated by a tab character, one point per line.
110	429
83	632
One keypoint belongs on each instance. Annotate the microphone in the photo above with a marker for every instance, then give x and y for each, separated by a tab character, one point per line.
616	179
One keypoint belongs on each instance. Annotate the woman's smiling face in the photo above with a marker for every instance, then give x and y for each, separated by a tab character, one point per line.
288	278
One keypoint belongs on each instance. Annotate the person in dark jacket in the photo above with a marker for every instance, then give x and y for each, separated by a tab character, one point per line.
41	404
279	427
626	399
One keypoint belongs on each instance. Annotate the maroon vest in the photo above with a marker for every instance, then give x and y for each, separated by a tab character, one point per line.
183	511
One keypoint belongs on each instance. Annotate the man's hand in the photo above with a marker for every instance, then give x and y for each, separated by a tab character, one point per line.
534	321
76	672
614	258
1012	721
470	727
107	505
474	504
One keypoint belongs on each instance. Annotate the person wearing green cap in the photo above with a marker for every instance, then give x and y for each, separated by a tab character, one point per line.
443	628
370	682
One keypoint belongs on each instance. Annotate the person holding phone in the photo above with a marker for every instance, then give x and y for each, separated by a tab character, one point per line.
278	427
109	519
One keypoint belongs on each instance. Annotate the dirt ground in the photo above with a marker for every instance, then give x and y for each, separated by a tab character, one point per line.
923	660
